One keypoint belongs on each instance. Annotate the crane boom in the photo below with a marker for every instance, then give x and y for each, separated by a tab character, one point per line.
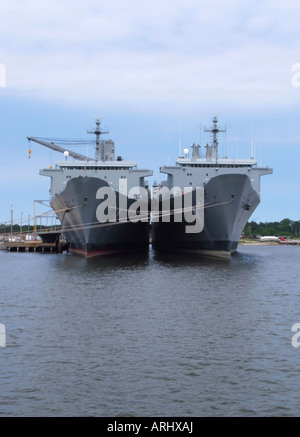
60	149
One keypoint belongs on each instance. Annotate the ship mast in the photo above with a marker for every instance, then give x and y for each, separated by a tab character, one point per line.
212	151
99	152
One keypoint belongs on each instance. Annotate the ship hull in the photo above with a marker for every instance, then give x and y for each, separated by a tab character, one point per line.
76	209
229	201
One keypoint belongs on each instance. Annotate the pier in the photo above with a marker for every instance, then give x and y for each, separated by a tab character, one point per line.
29	246
42	242
45	237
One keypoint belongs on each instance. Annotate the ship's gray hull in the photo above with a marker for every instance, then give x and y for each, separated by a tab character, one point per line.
76	209
229	201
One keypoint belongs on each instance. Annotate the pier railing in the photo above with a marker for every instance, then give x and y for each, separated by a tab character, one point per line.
35	227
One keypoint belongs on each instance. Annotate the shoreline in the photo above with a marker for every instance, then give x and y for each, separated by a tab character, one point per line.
270	243
258	243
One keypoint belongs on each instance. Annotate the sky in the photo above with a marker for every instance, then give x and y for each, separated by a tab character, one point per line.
156	72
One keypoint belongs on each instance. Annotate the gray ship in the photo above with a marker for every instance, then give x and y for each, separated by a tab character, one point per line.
79	195
229	192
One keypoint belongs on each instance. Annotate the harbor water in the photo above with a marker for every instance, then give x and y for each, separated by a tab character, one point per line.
150	335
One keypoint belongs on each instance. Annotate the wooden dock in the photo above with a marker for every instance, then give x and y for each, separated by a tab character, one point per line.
29	246
48	242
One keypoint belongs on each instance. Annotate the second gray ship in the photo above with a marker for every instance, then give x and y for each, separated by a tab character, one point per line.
229	193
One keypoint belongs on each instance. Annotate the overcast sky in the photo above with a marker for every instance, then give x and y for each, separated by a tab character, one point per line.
152	69
165	52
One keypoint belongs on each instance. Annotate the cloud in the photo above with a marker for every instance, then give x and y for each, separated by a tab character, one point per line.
164	54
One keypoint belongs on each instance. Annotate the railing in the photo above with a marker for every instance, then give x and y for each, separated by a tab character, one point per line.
18	231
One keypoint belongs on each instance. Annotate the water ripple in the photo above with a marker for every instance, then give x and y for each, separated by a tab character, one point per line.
151	335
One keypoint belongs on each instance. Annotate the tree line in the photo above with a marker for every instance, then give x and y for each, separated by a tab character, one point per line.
286	227
16	229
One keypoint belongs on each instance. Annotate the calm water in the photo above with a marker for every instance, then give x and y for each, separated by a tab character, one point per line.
151	335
